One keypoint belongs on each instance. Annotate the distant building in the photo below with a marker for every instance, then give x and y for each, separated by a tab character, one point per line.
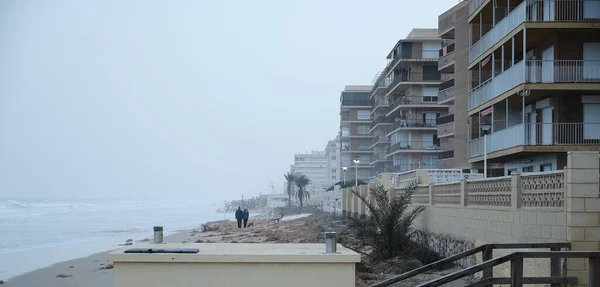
314	166
355	134
332	153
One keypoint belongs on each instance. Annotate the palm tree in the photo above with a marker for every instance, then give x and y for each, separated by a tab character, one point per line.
301	182
290	177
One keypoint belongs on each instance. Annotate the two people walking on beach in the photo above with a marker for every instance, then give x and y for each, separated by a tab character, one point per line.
242	215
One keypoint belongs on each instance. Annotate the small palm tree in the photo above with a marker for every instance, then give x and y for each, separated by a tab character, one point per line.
301	182
290	178
387	229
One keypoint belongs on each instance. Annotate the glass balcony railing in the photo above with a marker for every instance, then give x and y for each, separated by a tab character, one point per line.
413	145
415	123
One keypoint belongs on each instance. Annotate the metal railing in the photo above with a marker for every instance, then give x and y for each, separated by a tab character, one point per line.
446	119
414	78
474	5
446	154
563	71
357	103
412	100
487	253
382	120
446	85
379	139
536	11
496	86
412	123
546	134
413	145
353	118
379	102
447	50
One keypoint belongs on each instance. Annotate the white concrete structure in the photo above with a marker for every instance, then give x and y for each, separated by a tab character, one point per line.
332	153
221	264
276	200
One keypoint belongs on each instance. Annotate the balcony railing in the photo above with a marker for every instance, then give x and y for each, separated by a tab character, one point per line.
400	168
382	120
541	71
538	134
446	119
379	139
413	145
354	118
412	123
505	26
411	100
379	102
535	11
445	95
474	4
537	71
414	78
446	154
496	86
446	50
357	103
422	55
446	85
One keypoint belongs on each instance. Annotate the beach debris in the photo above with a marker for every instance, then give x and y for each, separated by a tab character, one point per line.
199	241
107	266
129	240
233	241
64	275
211	227
71	266
1	282
146	240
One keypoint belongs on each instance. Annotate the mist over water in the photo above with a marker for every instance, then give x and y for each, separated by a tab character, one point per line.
38	233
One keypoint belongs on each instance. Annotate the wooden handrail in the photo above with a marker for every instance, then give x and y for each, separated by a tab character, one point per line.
453	258
516	258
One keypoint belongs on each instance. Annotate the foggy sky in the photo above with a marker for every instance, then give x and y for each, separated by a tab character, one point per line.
199	99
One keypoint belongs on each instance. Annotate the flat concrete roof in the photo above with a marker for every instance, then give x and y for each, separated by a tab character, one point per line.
357	88
239	253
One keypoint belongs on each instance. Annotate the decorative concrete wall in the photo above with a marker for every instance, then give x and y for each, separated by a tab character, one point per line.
558	206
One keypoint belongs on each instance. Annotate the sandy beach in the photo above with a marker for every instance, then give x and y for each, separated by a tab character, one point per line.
91	271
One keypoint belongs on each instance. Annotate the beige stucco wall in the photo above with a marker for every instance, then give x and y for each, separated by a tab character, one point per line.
220	264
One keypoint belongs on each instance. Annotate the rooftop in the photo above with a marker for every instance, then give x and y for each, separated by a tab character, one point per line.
357	88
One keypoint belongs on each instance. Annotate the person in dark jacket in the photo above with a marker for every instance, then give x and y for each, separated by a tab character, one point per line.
246	216
239	215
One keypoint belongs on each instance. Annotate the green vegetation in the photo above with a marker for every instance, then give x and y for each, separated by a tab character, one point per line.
290	178
387	229
301	182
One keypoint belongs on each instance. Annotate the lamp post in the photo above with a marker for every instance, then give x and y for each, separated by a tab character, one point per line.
344	168
485	128
356	161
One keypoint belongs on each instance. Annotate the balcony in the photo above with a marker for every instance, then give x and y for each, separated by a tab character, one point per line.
417	55
381	120
380	83
567	135
446	154
474	5
378	158
411	79
446	96
413	101
356	103
446	61
353	118
445	119
534	11
379	139
447	128
379	103
414	124
400	168
356	149
536	71
411	146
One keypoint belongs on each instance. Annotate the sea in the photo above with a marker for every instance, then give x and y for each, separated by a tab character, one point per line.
38	233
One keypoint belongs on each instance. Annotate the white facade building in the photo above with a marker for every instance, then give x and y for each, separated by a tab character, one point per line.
332	152
314	166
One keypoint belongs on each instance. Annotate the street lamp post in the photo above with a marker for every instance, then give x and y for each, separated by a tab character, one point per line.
356	161
485	128
344	168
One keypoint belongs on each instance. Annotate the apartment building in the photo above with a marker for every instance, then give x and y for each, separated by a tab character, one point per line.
355	131
409	84
534	69
453	29
381	125
314	165
332	154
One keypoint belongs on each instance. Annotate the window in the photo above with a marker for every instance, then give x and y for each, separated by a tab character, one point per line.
430	94
528	169
333	176
333	157
345	132
333	170
363	114
511	171
364	144
363	129
430	118
546	167
430	161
